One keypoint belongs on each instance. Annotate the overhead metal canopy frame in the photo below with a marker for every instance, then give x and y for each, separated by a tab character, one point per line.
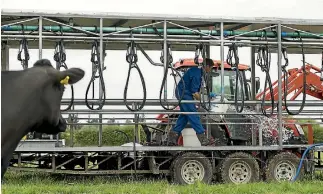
182	32
114	31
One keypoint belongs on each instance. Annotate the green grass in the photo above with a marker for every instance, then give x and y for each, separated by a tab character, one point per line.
44	183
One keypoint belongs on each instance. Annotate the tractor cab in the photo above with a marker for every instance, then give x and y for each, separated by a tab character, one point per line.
229	78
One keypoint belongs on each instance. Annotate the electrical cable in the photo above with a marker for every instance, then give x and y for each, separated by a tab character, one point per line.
263	61
96	68
23	47
303	156
285	79
132	59
233	54
60	58
174	73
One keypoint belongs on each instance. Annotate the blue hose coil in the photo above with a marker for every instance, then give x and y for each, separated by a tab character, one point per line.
303	156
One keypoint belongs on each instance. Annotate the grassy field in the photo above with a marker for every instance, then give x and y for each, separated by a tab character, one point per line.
20	183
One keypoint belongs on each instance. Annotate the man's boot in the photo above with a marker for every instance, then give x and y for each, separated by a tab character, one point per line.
203	139
172	138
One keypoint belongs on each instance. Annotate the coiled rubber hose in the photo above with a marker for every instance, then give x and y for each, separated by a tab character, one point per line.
132	59
285	78
60	58
96	67
123	133
174	73
303	157
263	61
233	54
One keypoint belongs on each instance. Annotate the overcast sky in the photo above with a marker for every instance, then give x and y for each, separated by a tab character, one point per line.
117	67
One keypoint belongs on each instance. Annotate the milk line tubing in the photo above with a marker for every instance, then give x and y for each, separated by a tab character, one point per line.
23	47
233	54
263	61
60	58
96	68
132	59
174	73
285	78
151	30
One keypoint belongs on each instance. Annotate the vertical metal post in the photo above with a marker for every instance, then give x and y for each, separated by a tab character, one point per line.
72	129
135	120
100	86
4	56
253	73
222	62
165	57
208	51
279	54
208	55
134	106
86	165
40	32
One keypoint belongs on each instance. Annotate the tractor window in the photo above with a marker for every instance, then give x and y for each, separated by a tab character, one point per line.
229	85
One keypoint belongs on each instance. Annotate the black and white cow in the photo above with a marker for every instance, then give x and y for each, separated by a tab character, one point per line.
30	101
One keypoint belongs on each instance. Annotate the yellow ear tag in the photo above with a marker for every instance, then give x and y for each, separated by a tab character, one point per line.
65	80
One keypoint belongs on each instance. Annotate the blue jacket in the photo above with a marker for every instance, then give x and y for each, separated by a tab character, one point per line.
192	80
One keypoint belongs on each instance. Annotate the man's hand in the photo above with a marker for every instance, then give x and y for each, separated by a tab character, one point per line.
196	96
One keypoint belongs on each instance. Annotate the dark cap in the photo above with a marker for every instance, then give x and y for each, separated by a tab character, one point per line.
209	62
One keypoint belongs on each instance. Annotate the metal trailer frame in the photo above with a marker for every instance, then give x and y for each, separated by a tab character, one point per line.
185	40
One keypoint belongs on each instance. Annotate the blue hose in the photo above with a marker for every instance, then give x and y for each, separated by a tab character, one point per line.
303	156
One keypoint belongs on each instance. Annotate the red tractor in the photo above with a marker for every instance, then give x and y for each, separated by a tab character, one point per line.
248	132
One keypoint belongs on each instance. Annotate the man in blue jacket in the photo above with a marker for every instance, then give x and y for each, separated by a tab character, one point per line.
192	80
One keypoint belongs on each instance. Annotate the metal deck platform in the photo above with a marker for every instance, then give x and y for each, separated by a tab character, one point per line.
158	148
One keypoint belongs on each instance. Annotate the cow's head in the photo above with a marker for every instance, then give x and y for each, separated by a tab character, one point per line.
52	88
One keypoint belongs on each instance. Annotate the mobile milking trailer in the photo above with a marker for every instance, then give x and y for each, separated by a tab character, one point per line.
252	150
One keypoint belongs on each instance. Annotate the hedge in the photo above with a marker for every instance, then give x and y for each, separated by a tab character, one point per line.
89	135
317	130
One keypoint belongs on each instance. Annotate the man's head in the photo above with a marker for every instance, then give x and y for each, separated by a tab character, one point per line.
209	64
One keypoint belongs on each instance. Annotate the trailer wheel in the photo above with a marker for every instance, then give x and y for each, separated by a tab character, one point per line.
190	167
239	168
282	167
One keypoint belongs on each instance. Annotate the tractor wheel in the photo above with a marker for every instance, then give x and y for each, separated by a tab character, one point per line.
190	167
237	168
282	167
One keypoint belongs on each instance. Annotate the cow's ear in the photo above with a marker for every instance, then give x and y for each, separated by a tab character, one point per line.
71	76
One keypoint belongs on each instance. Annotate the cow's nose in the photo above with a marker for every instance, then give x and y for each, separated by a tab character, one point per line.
62	125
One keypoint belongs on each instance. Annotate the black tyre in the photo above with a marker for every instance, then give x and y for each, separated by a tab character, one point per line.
190	167
283	167
238	168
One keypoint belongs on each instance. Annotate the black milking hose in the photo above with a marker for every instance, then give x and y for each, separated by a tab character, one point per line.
263	61
233	53
206	76
96	65
132	58
174	73
23	46
60	58
285	76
